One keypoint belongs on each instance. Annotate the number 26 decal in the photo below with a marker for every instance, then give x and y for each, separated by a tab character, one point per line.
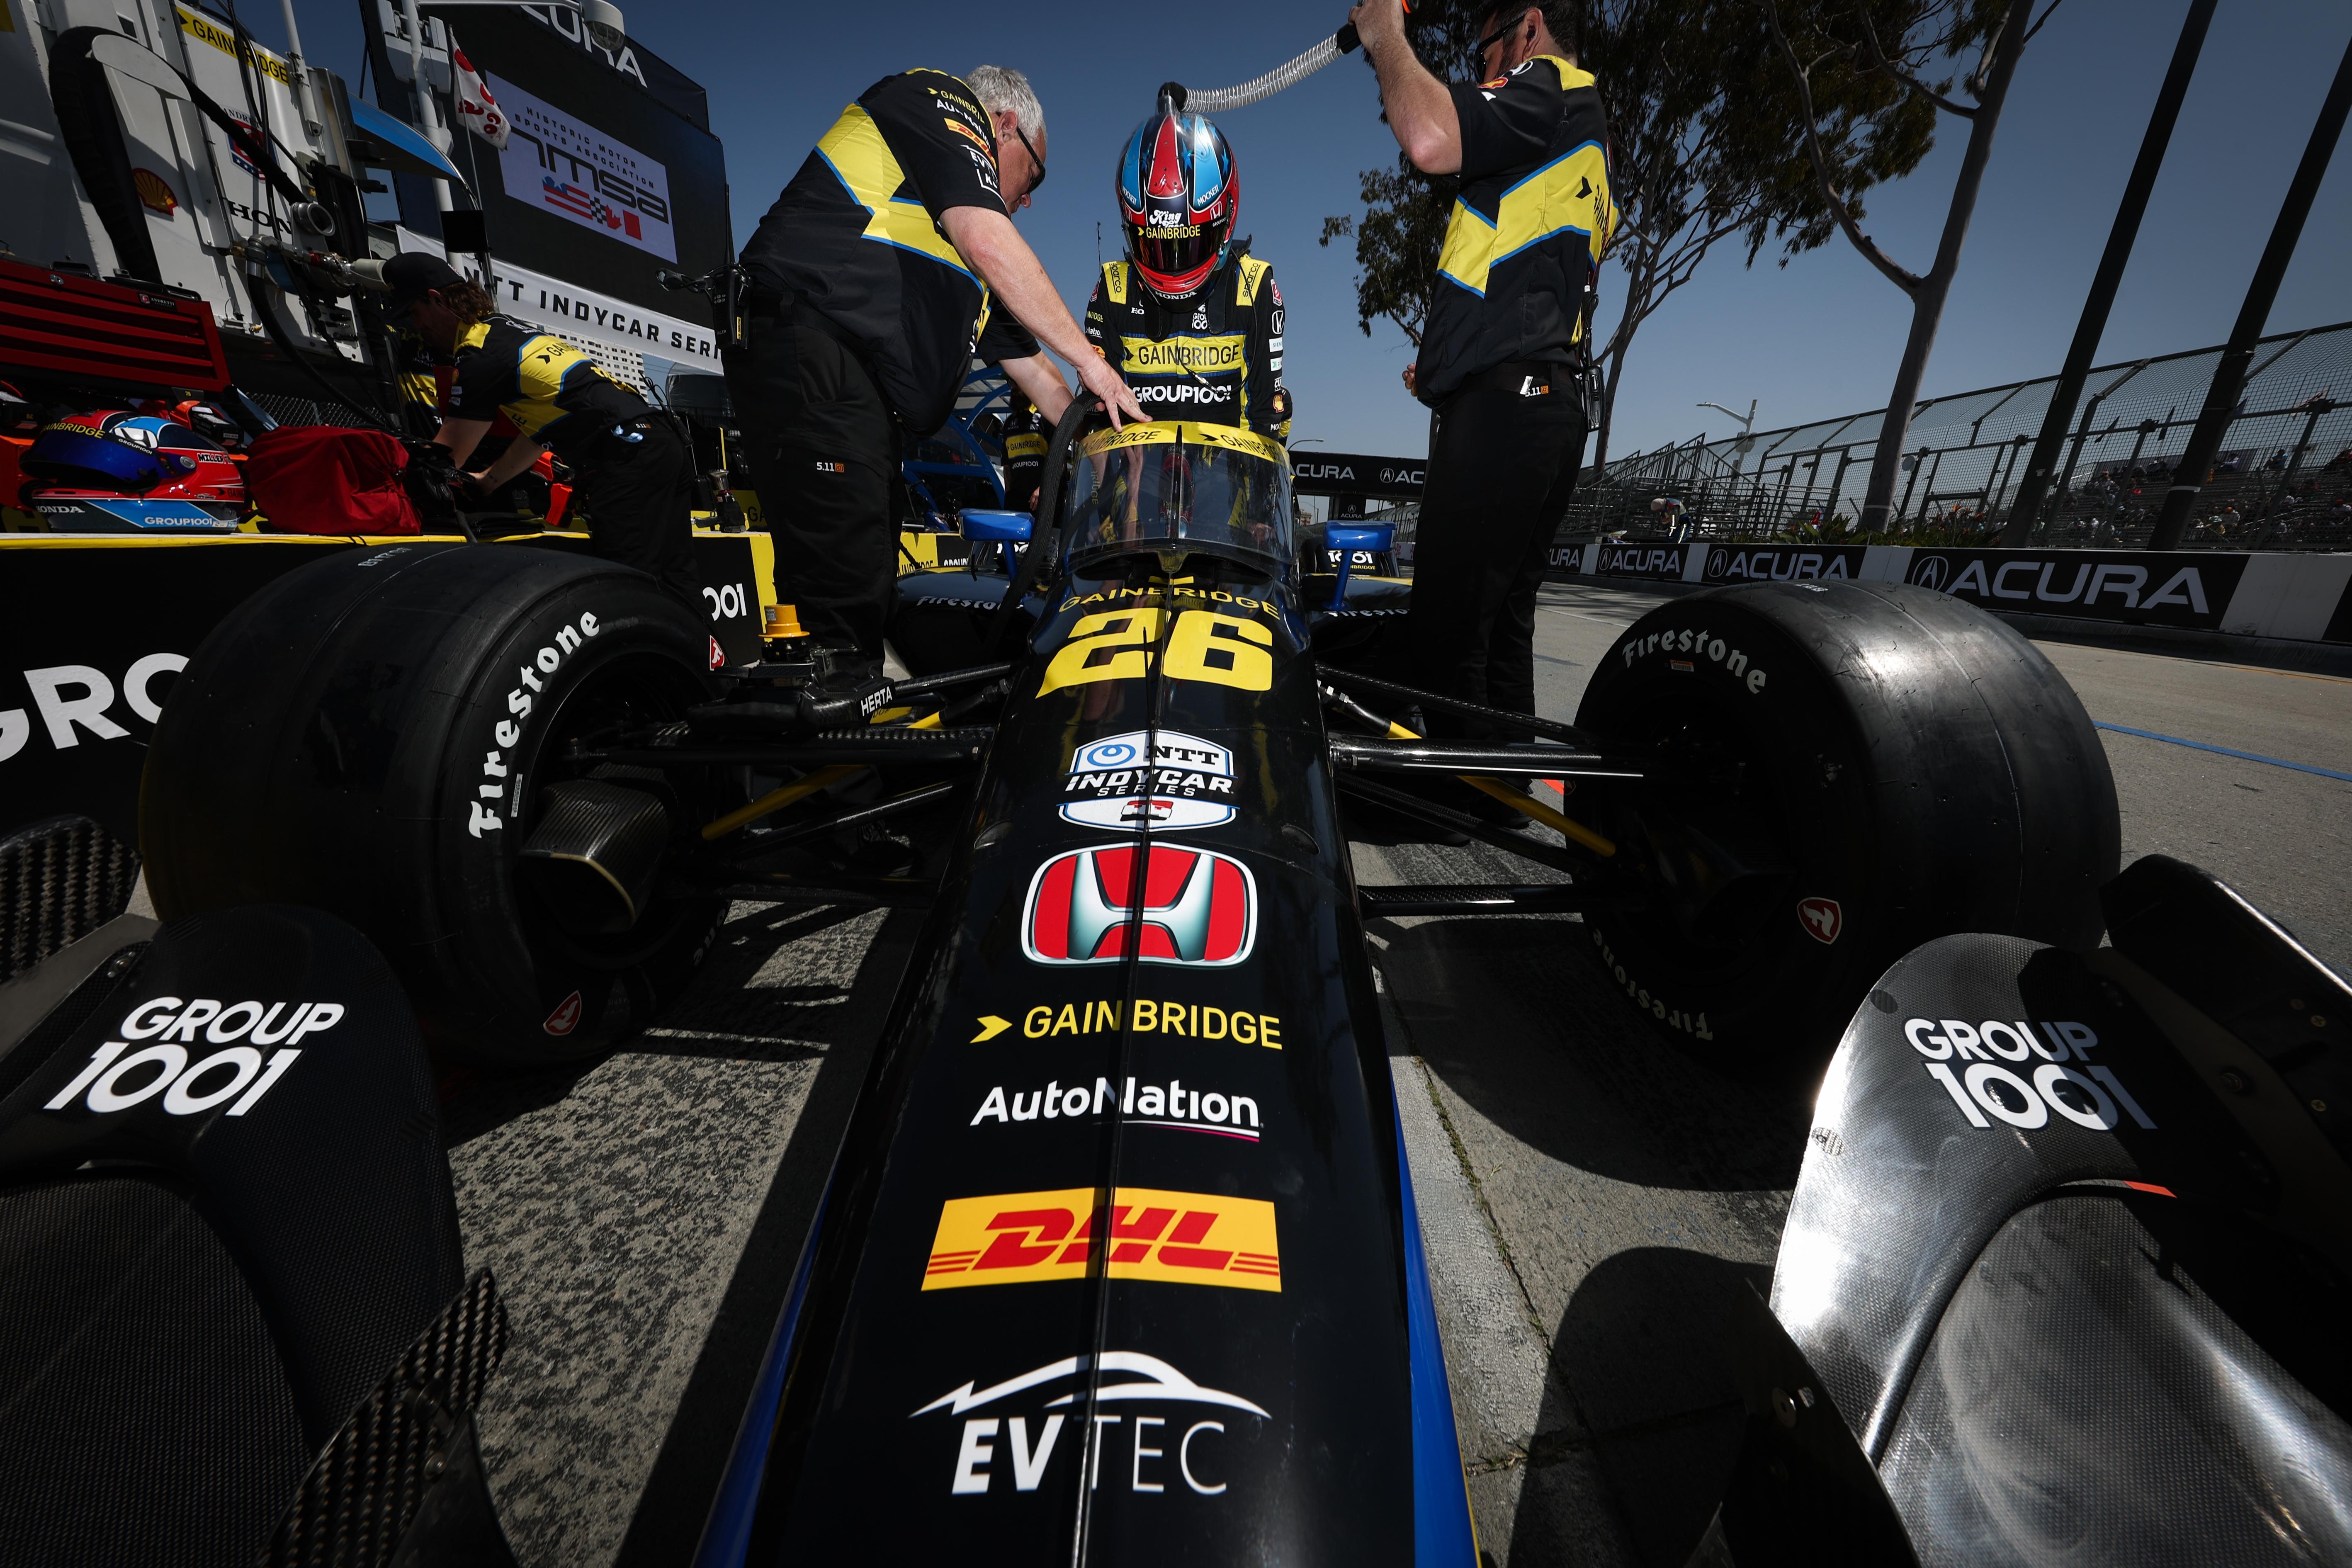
1118	645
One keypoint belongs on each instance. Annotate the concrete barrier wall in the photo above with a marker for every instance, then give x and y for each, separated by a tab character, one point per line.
2296	599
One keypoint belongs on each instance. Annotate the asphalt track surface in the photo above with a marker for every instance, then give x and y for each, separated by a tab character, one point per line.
1591	1195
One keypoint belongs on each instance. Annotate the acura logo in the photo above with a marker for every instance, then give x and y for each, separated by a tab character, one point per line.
1931	573
1198	907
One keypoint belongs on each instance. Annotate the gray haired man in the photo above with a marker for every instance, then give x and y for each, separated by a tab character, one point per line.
888	256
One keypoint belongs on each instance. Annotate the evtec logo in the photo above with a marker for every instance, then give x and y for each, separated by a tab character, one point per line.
1130	1383
114	1082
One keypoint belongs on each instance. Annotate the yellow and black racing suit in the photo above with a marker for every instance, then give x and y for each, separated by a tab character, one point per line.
1501	367
1216	357
631	470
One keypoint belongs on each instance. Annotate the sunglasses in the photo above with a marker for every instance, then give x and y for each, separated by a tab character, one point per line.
1039	164
1497	36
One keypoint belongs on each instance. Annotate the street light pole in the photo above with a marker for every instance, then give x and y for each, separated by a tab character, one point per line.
1747	420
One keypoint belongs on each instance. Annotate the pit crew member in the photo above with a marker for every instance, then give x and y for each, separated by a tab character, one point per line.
631	471
872	277
1189	319
1502	355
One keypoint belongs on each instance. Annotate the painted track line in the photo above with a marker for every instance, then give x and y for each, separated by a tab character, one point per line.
2224	751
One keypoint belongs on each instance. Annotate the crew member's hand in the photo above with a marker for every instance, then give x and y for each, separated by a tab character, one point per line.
1097	377
1378	23
1411	381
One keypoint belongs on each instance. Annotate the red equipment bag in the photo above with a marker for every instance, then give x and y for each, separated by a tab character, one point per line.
324	478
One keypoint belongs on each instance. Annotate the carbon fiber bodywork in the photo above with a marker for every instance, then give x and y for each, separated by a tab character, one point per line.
229	1255
2069	1259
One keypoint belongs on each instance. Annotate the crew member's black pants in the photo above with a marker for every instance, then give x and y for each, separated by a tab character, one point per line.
1503	457
638	495
823	452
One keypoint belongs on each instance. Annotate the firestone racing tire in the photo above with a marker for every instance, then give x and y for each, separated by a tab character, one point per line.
1862	767
369	736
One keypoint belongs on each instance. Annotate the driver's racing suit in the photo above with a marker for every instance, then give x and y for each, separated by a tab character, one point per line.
1216	358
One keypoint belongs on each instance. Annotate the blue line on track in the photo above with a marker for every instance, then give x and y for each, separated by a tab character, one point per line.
2224	751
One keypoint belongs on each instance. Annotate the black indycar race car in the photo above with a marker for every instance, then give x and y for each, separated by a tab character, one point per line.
1120	1260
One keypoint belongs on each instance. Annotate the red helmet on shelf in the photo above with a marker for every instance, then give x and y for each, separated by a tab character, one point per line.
117	470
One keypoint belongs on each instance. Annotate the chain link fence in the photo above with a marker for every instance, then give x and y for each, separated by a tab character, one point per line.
2283	481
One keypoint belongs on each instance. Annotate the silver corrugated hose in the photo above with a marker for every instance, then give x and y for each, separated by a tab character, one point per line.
1224	98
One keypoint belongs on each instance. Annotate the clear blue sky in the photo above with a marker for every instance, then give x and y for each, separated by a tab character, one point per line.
1818	338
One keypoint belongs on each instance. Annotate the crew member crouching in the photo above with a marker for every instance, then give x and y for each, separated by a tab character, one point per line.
1191	320
631	471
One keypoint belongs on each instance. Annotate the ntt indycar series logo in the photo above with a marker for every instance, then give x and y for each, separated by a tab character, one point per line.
1197	908
1169	781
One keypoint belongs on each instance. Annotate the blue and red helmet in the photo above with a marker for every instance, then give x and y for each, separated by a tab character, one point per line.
1177	199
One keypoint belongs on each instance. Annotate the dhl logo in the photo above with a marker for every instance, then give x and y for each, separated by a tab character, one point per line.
969	134
1188	1238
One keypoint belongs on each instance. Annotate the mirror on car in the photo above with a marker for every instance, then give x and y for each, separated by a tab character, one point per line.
997	527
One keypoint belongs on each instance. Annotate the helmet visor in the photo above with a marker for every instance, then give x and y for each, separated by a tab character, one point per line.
1176	258
1170	484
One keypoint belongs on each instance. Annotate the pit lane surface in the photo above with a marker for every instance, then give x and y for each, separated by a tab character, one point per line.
1591	1194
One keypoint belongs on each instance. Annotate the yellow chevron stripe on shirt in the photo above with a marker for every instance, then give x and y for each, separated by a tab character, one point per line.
859	157
1567	195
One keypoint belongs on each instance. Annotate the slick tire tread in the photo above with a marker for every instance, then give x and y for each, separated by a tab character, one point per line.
367	736
1922	765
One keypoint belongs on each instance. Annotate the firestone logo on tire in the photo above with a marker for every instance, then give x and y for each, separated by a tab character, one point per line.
1822	919
566	1016
1198	907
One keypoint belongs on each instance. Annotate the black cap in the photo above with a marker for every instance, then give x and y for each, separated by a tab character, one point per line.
415	274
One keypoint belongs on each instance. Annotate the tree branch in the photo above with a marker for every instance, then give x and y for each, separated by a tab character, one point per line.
1908	282
1880	62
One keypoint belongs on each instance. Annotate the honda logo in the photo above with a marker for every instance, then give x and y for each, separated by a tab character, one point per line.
1198	907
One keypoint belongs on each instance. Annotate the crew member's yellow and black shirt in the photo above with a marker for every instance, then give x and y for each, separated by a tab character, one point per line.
856	235
554	394
1534	215
1216	356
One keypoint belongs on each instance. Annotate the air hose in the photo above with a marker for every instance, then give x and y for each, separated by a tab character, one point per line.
1258	89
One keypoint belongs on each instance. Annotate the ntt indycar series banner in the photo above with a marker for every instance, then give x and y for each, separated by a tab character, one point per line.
2301	597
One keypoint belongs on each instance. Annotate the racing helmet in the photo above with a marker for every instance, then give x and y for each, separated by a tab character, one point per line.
115	469
1177	199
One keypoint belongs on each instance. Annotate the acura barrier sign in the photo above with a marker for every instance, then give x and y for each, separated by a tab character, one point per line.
1781	563
2306	597
1354	474
2186	588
